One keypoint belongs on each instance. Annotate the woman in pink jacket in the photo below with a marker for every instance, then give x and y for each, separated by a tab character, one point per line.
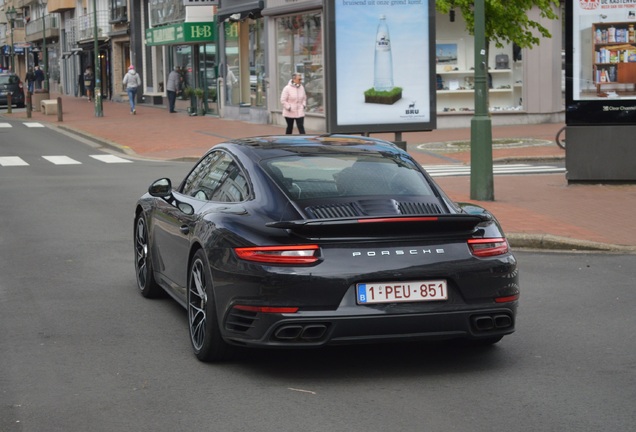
294	101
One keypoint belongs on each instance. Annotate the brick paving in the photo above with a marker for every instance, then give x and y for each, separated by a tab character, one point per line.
541	210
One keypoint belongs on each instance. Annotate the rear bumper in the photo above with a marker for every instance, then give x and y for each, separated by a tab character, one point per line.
277	330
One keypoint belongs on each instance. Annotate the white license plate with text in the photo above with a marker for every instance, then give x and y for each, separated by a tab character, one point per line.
392	292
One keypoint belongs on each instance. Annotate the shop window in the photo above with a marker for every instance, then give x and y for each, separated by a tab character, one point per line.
300	50
256	57
165	12
118	11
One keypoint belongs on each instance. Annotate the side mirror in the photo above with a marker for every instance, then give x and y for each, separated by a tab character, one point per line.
161	188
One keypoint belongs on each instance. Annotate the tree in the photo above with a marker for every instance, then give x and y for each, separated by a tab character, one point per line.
506	20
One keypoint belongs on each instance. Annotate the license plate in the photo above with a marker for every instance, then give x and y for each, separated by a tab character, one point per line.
392	292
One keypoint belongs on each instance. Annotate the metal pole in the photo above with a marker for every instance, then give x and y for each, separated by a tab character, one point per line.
12	49
45	54
98	70
481	175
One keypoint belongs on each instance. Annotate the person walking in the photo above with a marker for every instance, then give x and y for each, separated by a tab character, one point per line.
39	77
172	87
131	82
30	80
89	83
294	101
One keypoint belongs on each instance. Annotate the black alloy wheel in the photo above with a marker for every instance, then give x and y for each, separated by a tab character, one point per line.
146	282
205	336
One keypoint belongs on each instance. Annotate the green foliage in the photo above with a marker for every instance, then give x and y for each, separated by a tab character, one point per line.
199	92
373	93
188	91
507	21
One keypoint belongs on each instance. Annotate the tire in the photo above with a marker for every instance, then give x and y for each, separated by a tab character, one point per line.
203	324
148	286
560	138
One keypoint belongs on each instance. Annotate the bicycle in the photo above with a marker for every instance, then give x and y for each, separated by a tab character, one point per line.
560	137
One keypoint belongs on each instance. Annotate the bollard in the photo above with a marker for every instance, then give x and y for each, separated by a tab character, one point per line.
28	104
9	103
59	109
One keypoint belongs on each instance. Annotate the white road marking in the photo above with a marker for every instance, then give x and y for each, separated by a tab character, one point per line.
107	158
33	125
12	161
61	160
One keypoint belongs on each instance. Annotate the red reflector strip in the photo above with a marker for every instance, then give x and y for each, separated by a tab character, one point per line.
266	309
402	219
507	299
488	247
292	254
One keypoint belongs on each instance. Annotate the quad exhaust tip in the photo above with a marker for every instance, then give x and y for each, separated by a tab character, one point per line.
484	323
301	333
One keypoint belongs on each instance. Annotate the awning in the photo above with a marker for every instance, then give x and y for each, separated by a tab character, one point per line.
238	10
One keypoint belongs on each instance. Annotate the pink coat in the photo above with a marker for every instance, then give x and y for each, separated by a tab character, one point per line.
294	100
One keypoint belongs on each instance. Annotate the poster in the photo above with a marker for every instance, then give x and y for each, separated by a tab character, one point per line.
601	62
605	45
382	51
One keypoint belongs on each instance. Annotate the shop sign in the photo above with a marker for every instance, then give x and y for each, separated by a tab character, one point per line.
182	33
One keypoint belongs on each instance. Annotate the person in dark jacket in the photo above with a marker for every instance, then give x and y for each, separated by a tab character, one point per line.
39	77
30	80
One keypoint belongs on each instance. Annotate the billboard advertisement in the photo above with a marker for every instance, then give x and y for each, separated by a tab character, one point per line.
380	74
601	62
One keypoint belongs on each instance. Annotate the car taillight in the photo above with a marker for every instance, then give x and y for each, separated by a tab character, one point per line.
266	309
296	254
507	299
488	247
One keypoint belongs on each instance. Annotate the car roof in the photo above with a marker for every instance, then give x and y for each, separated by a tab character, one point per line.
265	147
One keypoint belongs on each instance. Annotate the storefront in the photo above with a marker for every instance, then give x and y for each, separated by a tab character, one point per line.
190	46
296	30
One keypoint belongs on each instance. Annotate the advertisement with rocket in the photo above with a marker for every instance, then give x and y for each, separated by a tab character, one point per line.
383	68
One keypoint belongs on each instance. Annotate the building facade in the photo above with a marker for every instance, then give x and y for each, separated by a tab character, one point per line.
241	53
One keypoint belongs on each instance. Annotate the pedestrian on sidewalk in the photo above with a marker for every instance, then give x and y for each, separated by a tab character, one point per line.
131	82
39	77
172	87
30	80
89	83
294	101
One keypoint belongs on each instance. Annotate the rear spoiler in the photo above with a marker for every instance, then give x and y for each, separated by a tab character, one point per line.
374	227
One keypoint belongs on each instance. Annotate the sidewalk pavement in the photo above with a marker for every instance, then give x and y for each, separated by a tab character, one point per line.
536	211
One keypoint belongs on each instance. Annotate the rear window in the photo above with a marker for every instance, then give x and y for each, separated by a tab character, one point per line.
9	79
346	175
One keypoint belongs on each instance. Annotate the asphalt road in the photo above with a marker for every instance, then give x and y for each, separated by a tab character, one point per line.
81	350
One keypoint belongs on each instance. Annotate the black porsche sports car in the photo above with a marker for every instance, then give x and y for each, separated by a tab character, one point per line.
304	241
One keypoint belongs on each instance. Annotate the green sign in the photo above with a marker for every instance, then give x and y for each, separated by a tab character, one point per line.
196	32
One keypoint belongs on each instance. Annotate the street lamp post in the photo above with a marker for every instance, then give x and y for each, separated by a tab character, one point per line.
98	66
11	15
45	53
481	174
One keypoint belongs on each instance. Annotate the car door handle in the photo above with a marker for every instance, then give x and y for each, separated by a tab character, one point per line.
184	229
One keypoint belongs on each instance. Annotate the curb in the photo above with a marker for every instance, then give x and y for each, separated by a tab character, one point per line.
564	244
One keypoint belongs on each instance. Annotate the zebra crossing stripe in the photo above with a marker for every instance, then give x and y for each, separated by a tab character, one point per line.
12	161
5	125
61	160
33	125
110	159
